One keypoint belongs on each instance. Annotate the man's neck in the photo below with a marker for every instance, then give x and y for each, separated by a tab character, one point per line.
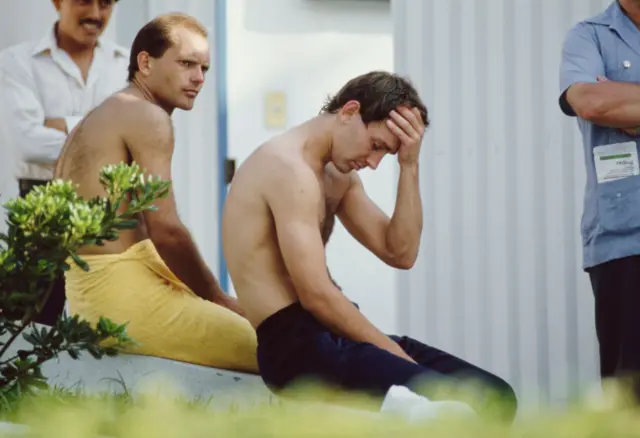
319	132
632	9
142	91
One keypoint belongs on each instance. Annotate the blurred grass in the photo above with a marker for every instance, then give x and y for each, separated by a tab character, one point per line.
72	413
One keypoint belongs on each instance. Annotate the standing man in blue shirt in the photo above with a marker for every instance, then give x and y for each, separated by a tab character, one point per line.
600	85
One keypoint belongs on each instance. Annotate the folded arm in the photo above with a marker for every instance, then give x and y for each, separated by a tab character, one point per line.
35	138
294	201
609	103
151	143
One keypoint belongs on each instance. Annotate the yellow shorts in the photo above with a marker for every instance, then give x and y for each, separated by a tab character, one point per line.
164	316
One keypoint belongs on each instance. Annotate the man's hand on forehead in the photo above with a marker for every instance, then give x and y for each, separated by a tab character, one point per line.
406	123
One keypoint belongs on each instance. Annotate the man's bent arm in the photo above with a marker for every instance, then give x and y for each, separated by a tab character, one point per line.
608	103
22	115
405	228
395	241
611	104
293	202
150	141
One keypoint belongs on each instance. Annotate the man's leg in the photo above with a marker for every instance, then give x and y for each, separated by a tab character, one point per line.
489	395
615	287
55	304
367	369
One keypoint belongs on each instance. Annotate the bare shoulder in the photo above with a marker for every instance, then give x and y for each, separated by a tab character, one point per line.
139	112
291	179
143	123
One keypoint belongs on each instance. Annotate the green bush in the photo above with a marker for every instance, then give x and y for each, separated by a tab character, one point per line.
46	230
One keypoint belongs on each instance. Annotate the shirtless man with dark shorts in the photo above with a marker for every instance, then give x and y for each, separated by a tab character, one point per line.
278	217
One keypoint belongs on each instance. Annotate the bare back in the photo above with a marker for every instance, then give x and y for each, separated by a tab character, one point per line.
250	241
97	141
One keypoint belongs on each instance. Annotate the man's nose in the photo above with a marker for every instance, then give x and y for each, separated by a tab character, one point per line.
93	11
374	159
198	76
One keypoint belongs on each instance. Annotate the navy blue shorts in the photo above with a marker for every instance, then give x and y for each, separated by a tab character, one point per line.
293	345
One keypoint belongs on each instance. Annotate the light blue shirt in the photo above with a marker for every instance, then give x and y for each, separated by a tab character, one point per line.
605	45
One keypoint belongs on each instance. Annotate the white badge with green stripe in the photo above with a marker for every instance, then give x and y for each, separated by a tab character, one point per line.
616	161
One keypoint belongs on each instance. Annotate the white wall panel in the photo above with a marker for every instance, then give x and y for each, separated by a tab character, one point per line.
499	279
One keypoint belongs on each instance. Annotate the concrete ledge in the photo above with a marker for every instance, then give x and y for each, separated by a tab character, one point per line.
137	374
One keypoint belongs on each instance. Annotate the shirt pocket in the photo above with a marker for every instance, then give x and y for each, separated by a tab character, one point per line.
619	204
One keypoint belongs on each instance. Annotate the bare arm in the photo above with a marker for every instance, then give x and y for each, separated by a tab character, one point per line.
151	143
294	204
395	241
611	104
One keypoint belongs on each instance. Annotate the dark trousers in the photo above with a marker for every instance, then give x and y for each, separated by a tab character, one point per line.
293	346
55	304
616	289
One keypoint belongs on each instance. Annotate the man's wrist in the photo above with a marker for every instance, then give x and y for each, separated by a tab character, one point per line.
412	167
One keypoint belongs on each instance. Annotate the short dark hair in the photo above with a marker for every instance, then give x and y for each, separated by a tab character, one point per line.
378	92
156	37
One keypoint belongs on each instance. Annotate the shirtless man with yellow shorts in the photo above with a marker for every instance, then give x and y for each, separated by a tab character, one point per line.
153	277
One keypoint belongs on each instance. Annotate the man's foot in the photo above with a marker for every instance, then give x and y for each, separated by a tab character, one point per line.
415	408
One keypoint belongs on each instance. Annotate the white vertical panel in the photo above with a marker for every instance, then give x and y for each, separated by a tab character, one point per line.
499	279
195	175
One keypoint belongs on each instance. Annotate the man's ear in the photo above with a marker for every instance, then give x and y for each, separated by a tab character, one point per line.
56	4
144	63
350	109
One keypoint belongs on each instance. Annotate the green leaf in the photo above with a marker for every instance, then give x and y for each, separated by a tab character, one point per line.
81	263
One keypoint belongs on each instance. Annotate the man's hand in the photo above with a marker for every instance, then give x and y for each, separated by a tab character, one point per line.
58	124
407	125
629	131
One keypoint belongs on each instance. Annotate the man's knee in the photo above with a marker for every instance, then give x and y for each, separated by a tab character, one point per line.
502	402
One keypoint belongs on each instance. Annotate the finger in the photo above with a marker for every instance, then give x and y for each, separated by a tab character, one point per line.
415	118
408	128
399	132
410	116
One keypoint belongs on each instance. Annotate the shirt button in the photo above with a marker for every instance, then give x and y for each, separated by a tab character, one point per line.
618	195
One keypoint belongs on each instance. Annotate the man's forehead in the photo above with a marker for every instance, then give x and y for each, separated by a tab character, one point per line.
186	40
388	139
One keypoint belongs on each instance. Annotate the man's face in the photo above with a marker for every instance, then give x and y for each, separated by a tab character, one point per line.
84	20
357	146
178	76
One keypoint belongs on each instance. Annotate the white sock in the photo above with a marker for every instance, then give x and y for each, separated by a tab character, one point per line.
400	400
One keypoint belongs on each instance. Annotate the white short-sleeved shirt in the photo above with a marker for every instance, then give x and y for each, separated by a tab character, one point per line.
38	80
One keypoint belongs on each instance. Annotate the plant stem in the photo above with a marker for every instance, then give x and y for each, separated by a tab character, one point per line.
25	322
12	339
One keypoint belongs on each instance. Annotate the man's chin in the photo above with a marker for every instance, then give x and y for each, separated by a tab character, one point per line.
185	106
345	169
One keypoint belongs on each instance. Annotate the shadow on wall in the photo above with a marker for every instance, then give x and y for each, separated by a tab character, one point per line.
316	16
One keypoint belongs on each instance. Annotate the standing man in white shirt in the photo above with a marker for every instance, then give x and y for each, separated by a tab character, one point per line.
48	86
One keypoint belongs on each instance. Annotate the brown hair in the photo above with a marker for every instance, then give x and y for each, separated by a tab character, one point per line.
156	37
378	92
